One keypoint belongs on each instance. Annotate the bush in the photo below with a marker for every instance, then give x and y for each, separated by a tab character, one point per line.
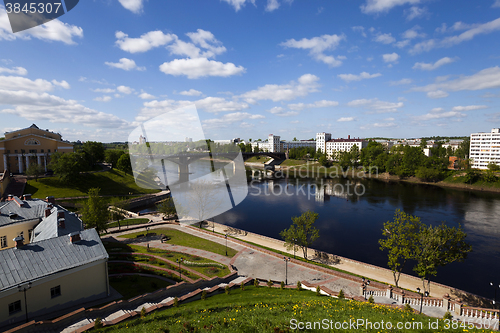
490	177
429	174
98	323
341	294
299	285
176	301
472	176
269	283
371	300
408	308
282	285
242	286
255	282
143	313
203	294
318	291
448	315
227	290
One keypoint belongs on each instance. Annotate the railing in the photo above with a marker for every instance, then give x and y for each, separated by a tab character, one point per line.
480	313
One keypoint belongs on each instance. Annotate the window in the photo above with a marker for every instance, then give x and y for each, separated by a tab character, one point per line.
15	151
14	307
56	291
3	241
48	150
42	151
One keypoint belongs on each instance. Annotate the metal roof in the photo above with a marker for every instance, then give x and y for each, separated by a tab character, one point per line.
49	227
29	210
48	257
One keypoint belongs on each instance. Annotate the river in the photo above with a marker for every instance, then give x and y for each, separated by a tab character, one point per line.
350	225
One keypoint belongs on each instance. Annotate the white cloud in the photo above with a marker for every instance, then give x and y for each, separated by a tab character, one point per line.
35	106
384	38
202	38
145	95
135	6
218	104
437	94
125	64
317	104
496	4
21	83
103	99
280	112
439	113
375	105
54	30
306	84
401	82
104	90
413	33
359	29
15	70
485	79
144	43
317	46
200	67
191	92
430	67
390	57
480	29
345	119
379	6
276	110
353	77
62	84
415	12
229	119
238	4
272	5
125	90
469	108
384	125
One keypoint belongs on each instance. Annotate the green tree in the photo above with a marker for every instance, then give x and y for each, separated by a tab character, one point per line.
472	176
95	212
493	166
463	150
34	170
428	174
94	152
423	144
67	166
167	208
302	232
439	246
112	156
124	164
400	241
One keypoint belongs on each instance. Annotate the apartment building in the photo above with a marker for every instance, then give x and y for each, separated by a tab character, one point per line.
485	148
321	139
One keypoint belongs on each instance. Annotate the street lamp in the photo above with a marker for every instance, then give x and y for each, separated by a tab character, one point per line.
495	298
366	283
286	269
225	236
294	245
23	289
179	261
422	298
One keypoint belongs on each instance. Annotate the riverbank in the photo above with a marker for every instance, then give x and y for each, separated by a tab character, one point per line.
314	170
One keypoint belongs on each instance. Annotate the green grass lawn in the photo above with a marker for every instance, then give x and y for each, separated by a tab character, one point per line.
113	182
293	162
125	223
258	159
264	309
132	286
183	239
209	271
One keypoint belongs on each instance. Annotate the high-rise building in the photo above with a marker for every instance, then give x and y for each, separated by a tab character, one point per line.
321	139
485	148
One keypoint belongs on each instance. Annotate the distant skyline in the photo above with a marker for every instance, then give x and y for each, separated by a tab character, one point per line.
367	68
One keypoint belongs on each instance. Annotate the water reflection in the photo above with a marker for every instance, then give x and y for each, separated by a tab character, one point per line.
350	225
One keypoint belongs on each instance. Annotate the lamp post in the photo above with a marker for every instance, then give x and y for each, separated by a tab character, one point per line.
294	245
225	236
179	261
23	289
495	297
286	269
422	298
366	283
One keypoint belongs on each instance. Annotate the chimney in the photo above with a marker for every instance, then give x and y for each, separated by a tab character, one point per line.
47	212
27	197
12	216
51	199
61	223
348	137
9	198
19	241
74	237
60	214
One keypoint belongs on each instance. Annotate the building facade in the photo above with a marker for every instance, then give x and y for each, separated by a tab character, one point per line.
485	148
321	139
337	145
23	147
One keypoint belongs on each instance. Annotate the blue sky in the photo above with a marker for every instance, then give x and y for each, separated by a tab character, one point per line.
391	68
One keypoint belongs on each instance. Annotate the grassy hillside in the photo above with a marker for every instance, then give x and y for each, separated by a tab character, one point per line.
113	182
264	309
